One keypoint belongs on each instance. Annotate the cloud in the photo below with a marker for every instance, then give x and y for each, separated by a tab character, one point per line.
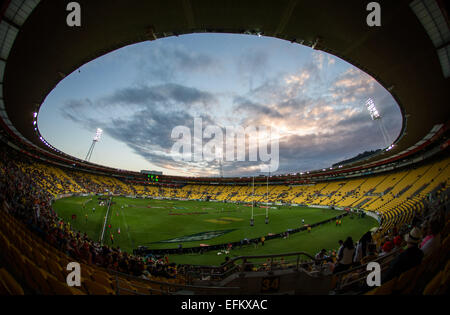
165	94
319	122
253	62
245	106
318	59
165	62
152	114
331	60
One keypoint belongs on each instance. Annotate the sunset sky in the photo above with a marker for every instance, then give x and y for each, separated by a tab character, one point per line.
140	93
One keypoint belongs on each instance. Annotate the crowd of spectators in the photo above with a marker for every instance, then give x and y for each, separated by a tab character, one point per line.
410	243
29	202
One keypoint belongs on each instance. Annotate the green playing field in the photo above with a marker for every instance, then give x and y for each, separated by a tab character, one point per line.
160	224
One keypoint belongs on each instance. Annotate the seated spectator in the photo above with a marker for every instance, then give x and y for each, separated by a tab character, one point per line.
432	239
398	243
320	256
387	247
328	267
410	258
371	254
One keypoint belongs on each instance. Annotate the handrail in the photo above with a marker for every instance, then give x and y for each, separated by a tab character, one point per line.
362	271
166	284
222	271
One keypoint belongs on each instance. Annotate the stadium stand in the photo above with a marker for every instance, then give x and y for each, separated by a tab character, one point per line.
36	245
36	264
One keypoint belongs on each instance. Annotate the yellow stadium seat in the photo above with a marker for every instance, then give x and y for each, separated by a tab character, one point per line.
94	288
102	278
10	284
434	285
385	289
56	270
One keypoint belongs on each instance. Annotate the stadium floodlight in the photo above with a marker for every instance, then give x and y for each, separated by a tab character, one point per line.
98	135
390	147
374	114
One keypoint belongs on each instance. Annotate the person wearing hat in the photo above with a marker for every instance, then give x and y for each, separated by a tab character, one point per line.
410	258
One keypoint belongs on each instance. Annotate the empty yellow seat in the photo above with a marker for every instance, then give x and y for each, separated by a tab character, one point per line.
94	288
9	283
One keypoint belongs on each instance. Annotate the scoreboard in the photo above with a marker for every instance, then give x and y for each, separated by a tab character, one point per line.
153	178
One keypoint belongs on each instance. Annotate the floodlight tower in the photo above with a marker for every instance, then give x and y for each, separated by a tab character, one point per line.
98	135
375	115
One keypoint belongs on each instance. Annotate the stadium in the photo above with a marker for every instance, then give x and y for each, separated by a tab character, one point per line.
303	232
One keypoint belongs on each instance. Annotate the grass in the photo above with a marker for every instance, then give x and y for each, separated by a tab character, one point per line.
148	222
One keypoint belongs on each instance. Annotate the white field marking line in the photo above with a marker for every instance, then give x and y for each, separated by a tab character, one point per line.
126	226
104	223
86	202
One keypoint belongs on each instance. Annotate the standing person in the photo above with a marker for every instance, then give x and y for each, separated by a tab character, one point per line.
263	240
86	217
347	256
361	247
111	237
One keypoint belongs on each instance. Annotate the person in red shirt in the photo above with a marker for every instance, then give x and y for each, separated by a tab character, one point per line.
398	242
387	246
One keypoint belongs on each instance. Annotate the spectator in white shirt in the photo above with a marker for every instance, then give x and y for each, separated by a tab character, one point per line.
348	252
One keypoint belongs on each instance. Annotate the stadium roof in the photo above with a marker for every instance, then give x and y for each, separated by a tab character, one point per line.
404	54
